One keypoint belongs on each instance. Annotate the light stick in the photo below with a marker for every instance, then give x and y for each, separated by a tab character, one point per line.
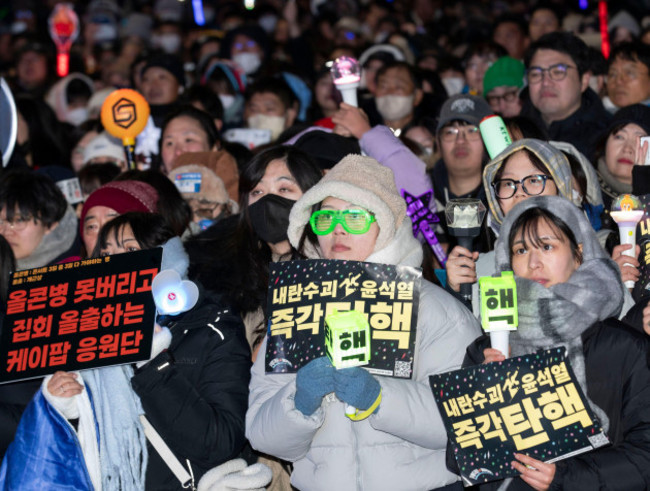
199	17
627	212
64	29
464	218
124	115
419	211
346	74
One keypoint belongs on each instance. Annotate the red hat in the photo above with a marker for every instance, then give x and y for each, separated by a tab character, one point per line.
122	196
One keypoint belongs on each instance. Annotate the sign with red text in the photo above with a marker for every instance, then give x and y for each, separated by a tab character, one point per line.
530	404
303	293
78	315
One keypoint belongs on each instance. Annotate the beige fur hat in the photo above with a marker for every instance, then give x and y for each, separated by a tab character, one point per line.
361	181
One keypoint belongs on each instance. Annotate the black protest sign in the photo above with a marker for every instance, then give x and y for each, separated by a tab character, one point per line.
530	404
83	314
302	293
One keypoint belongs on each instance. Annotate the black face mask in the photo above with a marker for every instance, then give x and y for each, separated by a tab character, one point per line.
270	217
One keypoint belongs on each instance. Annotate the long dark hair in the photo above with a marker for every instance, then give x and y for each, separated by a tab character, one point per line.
229	257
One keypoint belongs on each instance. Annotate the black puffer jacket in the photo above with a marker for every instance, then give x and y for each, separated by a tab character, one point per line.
195	394
618	381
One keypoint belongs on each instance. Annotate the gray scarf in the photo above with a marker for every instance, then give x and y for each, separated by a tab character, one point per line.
608	178
122	443
558	315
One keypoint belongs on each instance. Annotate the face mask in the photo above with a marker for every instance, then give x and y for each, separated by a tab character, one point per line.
453	85
268	22
169	43
105	33
265	122
227	100
77	116
270	217
392	107
249	62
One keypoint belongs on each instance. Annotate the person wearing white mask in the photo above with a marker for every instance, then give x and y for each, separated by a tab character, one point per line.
270	105
167	37
69	96
397	94
246	46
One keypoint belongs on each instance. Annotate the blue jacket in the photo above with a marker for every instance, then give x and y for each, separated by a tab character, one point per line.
45	453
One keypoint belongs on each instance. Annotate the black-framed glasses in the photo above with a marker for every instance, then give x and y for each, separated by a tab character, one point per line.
555	72
509	96
470	132
532	185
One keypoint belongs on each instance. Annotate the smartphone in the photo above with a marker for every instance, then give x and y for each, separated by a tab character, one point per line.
645	139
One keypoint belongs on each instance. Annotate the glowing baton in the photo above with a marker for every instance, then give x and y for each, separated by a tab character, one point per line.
464	217
499	313
64	29
347	342
197	7
346	74
627	212
124	115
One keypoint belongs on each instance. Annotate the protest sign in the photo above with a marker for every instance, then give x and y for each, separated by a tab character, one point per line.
531	404
303	293
84	314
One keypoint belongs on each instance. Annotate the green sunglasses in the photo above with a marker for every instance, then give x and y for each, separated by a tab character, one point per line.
353	221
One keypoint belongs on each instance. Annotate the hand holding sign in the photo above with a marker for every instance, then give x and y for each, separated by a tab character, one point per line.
124	115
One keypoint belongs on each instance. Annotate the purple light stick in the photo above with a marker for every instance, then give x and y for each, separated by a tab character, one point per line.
417	209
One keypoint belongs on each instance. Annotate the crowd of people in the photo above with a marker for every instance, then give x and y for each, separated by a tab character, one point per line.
250	157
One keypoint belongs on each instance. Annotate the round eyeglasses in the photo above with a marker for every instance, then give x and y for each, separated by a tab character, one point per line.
355	222
555	72
17	224
470	132
532	185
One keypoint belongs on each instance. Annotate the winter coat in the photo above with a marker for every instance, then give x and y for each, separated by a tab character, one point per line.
618	381
195	394
582	128
402	445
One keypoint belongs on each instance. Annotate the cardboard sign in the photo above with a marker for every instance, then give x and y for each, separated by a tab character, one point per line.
303	293
530	404
86	314
499	302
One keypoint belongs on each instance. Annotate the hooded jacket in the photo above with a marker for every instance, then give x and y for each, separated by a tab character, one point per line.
402	445
615	358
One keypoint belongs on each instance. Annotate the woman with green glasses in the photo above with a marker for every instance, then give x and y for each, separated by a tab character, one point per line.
355	213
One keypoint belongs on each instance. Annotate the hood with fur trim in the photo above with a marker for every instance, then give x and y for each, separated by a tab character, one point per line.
554	160
364	182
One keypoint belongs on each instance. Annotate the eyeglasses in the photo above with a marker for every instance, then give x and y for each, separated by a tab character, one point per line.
510	96
626	75
355	222
18	224
532	185
556	72
204	208
469	132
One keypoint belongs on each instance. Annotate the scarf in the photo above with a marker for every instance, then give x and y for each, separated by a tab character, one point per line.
558	315
123	445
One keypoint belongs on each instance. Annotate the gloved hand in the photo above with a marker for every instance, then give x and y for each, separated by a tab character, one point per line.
356	387
313	382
